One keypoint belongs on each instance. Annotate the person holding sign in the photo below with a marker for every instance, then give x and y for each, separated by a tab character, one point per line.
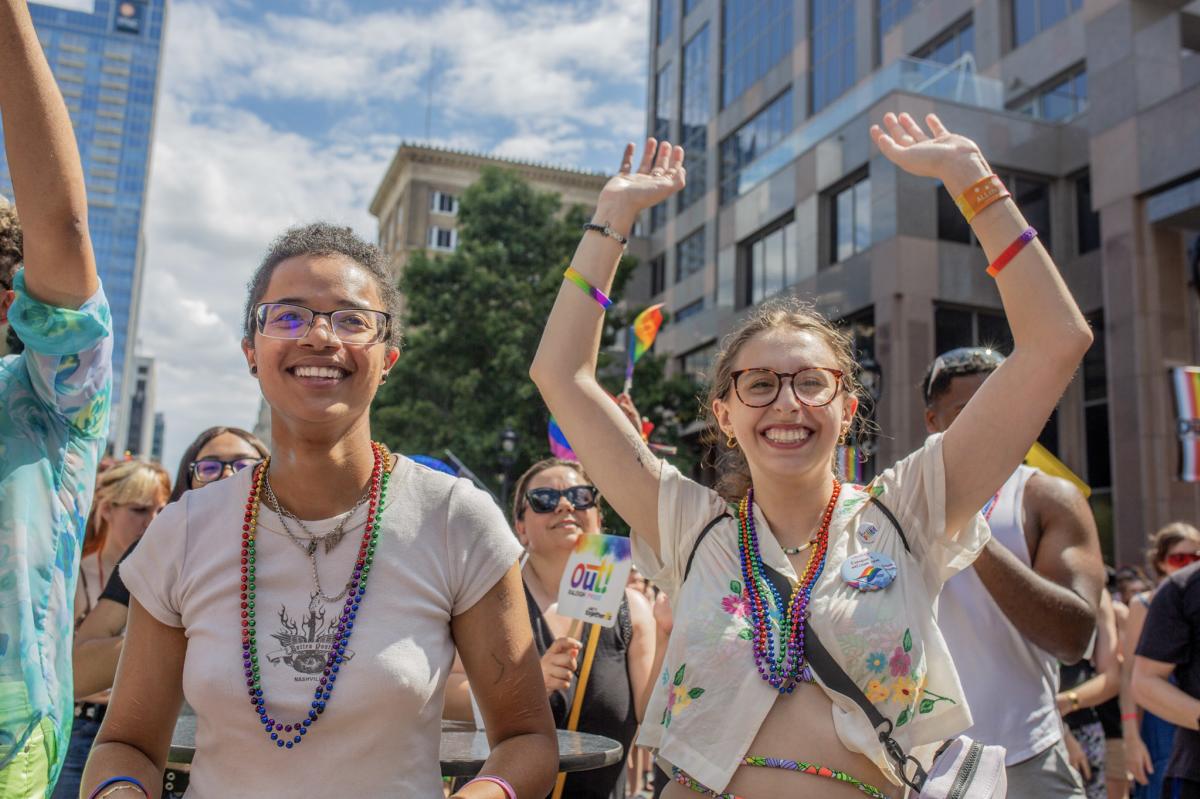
783	561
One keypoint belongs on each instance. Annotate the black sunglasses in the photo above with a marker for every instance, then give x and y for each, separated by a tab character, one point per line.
545	500
206	470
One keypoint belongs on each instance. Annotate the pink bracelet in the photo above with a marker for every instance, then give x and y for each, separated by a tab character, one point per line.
503	783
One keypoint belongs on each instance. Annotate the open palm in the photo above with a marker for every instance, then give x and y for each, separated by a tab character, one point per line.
659	175
907	145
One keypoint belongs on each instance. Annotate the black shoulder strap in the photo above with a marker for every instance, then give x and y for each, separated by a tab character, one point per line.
895	522
707	528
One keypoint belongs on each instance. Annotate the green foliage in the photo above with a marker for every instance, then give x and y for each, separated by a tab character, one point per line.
472	323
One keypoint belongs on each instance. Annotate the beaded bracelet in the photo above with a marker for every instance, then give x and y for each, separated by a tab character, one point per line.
980	195
593	292
509	791
1028	235
128	781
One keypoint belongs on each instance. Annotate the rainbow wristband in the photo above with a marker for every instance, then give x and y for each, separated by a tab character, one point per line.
503	783
1011	251
134	781
593	292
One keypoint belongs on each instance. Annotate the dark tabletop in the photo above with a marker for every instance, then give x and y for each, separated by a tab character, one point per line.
463	749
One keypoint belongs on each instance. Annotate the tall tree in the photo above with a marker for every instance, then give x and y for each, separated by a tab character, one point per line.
472	323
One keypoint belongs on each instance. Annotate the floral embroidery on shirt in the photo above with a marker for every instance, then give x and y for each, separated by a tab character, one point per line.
679	695
876	662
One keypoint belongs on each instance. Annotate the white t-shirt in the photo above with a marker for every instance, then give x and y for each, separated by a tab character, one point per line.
443	545
710	701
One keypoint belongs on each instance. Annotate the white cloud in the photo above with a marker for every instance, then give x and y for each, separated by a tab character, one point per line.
548	82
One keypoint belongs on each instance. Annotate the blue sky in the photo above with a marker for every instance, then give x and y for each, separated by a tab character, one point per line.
274	113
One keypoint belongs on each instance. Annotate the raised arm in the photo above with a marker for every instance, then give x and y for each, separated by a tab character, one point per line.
564	368
990	438
43	160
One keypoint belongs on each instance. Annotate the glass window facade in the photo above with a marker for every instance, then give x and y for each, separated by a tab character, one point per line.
689	255
1096	432
760	133
756	35
1061	99
1087	221
769	261
694	102
698	362
658	275
955	327
664	13
850	219
689	310
888	14
664	99
107	64
951	44
1031	17
831	45
689	6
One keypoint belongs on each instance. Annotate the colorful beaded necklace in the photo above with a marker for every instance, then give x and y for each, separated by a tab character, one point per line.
288	735
785	666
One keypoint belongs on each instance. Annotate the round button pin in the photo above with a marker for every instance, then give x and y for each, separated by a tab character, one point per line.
868	571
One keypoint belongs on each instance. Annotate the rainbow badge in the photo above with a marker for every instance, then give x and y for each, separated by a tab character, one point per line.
594	580
868	571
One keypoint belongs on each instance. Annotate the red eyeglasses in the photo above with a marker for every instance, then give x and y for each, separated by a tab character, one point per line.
1178	560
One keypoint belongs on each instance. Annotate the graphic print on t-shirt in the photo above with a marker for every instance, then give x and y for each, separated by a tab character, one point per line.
306	642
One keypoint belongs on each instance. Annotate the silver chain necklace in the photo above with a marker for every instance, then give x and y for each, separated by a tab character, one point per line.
330	540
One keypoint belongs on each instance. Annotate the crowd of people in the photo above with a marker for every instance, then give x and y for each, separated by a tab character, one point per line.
784	632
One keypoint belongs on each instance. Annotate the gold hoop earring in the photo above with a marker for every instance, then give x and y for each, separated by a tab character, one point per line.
731	442
383	378
843	437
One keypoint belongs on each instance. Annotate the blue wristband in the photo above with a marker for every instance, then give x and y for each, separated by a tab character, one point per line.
114	780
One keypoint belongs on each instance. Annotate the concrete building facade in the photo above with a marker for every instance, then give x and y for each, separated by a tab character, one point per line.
417	201
1090	112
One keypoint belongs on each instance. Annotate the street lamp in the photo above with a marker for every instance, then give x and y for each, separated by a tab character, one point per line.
508	457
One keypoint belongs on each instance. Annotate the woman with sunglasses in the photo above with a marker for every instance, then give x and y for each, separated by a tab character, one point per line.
738	710
1148	738
332	564
215	454
553	505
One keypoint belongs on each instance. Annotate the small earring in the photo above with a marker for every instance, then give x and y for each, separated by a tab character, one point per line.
383	378
843	437
253	370
731	442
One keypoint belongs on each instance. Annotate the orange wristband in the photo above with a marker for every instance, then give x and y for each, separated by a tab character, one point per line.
980	195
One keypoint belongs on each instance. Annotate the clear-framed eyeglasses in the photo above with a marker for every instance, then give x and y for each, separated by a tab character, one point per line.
349	325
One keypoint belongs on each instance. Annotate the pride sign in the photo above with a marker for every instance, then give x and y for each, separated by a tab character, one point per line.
595	579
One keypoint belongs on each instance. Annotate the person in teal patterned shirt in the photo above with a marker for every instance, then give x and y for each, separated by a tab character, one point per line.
55	400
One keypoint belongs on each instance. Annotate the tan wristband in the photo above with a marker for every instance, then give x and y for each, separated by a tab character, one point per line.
980	195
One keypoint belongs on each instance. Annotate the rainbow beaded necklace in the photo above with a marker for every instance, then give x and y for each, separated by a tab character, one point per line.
782	666
289	735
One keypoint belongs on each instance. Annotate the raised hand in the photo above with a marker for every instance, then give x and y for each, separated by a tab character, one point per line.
659	175
949	157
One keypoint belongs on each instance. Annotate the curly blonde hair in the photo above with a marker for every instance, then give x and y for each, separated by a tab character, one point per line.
733	473
11	244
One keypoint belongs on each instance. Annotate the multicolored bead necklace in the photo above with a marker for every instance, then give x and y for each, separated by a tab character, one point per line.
785	667
289	735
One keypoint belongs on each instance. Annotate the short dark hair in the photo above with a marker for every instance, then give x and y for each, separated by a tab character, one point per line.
11	244
183	477
959	362
323	238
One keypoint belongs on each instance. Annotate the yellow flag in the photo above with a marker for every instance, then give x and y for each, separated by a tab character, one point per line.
1041	458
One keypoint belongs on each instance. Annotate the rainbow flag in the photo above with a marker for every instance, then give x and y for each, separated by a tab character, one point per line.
1187	405
850	465
559	447
641	337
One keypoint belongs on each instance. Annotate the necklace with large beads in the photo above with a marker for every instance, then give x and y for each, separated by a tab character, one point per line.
283	734
782	666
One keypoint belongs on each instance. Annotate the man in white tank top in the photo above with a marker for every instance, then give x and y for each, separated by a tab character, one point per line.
1029	601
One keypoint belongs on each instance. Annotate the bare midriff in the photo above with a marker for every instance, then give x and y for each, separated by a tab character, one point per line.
799	726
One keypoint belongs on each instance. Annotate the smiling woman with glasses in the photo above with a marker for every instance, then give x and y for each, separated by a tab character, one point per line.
553	505
251	595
